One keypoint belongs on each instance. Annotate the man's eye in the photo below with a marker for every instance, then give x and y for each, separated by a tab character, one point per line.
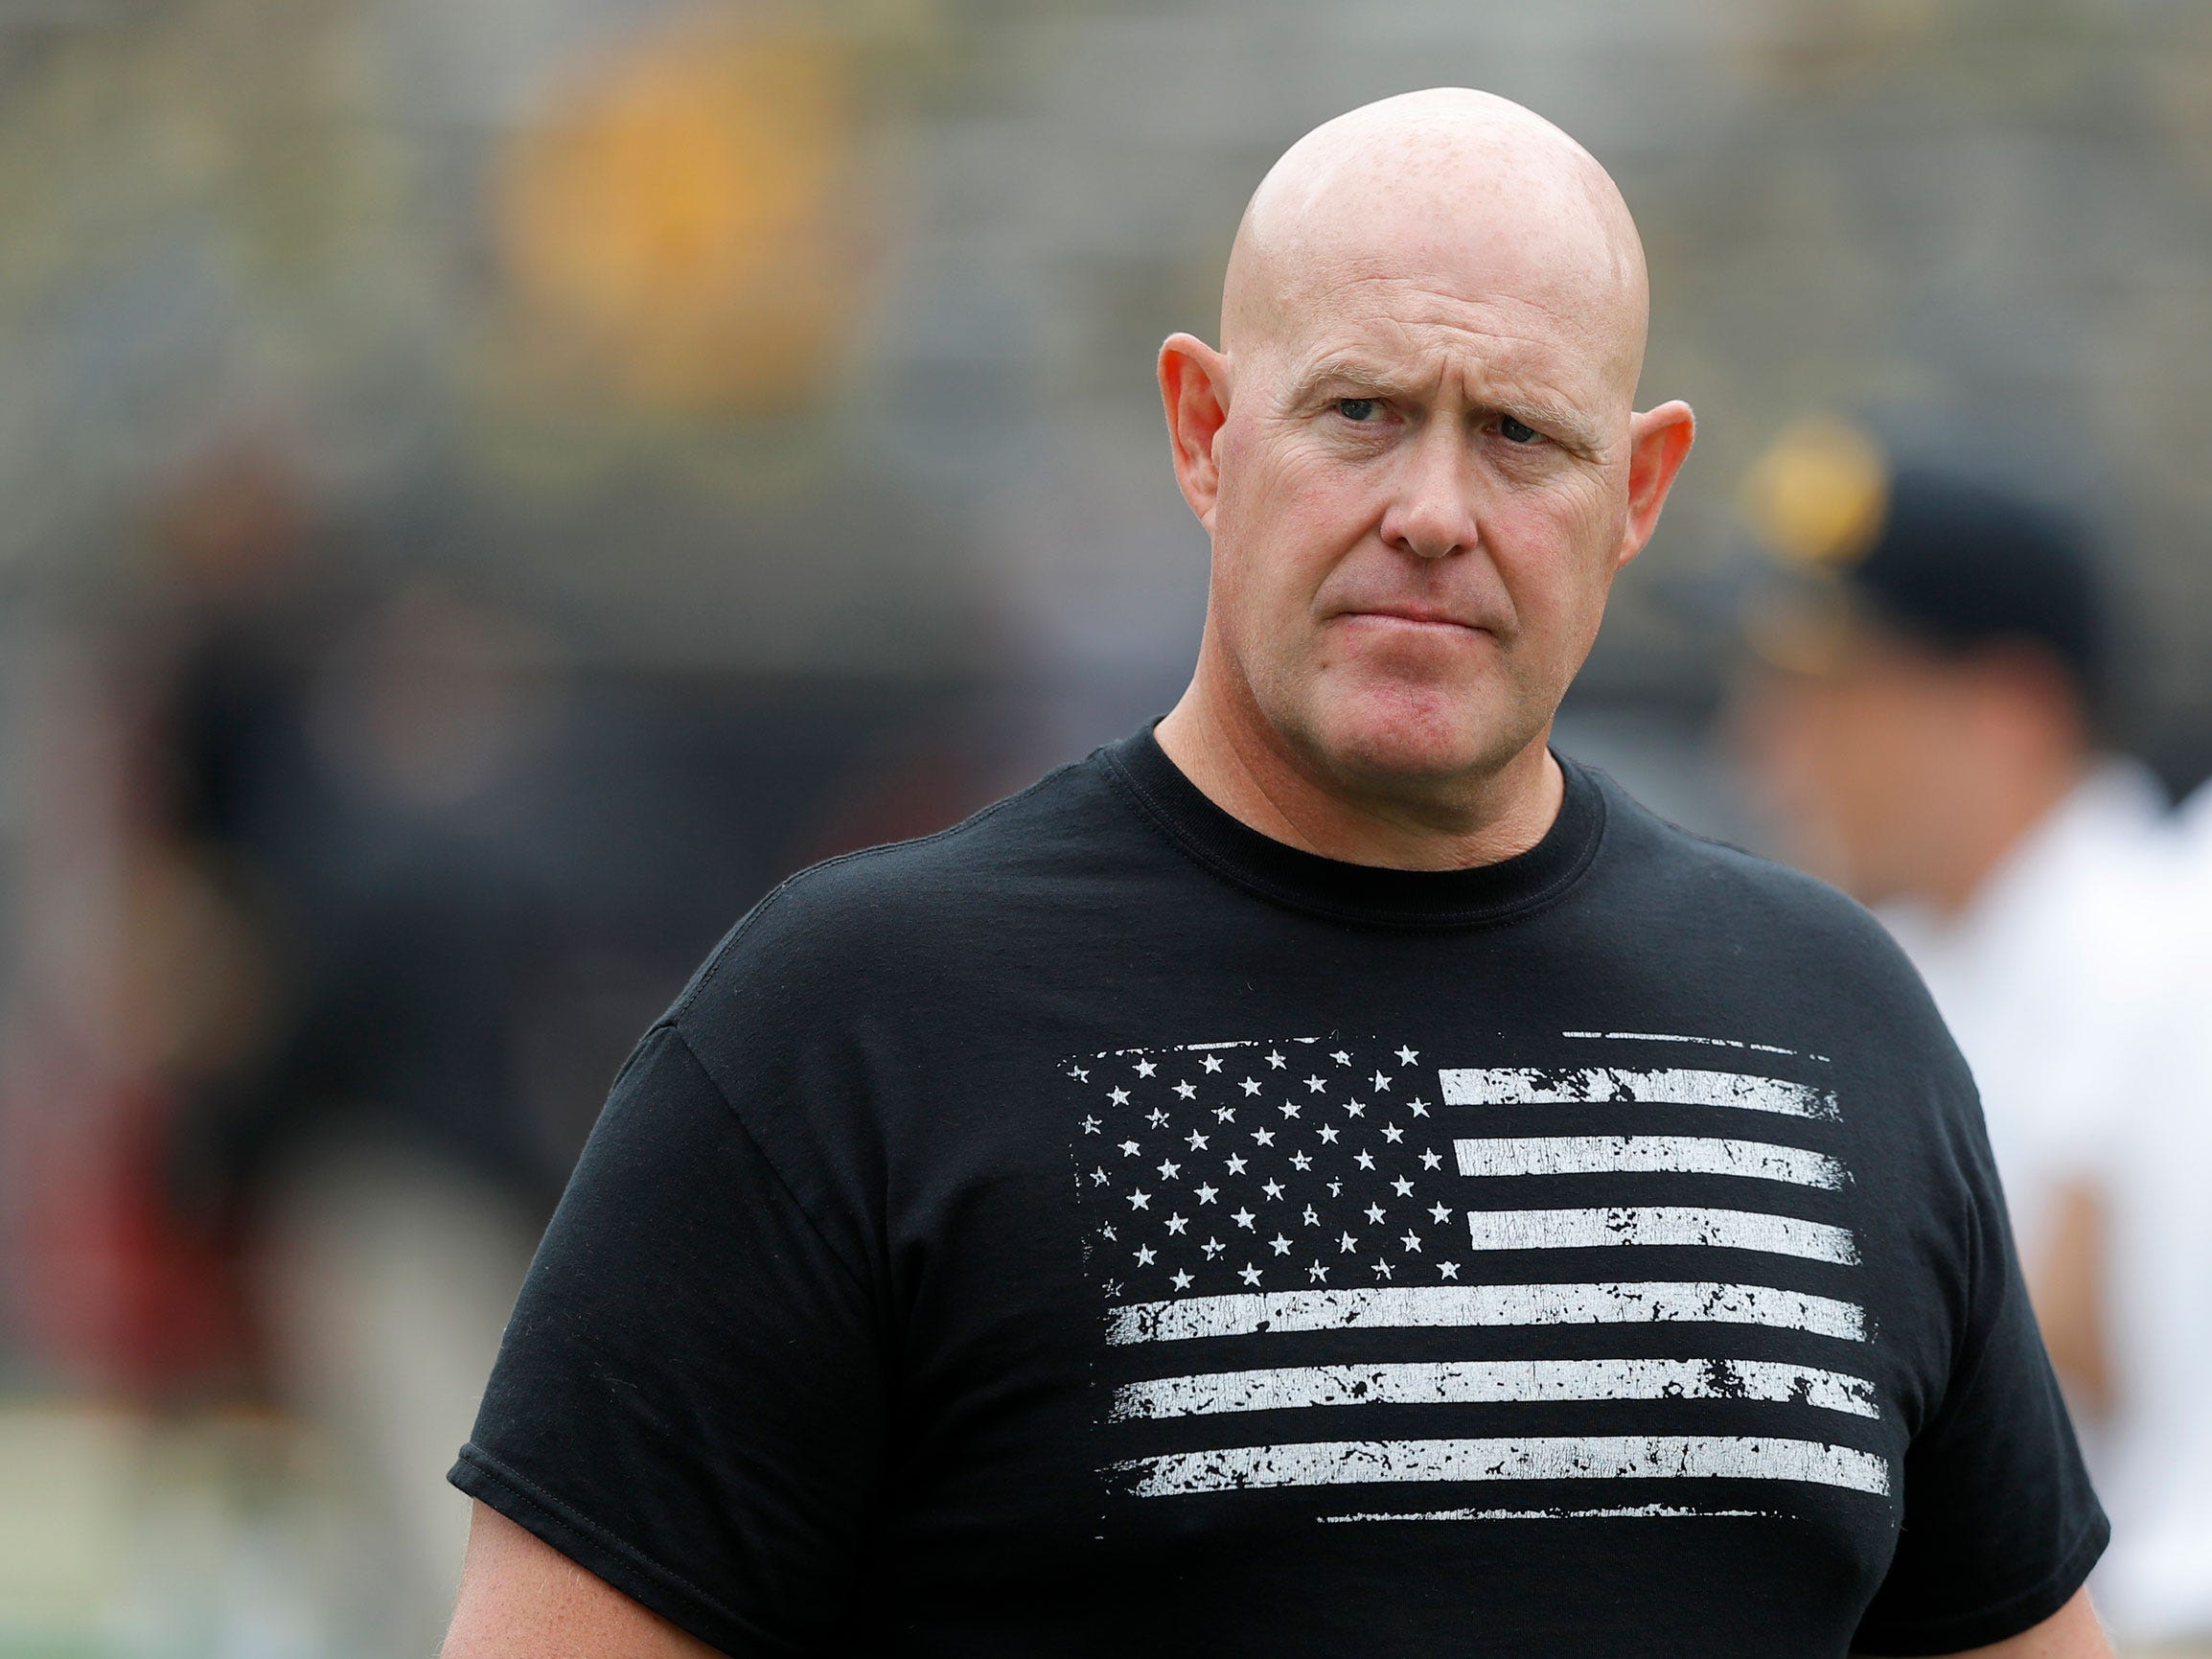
1515	432
1357	409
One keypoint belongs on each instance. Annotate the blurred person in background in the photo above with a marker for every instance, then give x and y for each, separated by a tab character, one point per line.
148	978
264	1129
1933	660
382	1165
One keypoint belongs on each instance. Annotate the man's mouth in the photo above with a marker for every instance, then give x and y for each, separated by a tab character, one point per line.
1414	615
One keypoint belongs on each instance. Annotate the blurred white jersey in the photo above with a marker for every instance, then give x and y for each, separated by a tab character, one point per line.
2072	989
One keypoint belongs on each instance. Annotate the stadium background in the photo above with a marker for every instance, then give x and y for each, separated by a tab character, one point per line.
488	488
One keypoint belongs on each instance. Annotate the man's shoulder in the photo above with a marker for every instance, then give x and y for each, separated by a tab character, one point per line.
1691	880
868	912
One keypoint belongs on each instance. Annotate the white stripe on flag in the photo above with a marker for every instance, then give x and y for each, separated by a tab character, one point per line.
1569	1458
1661	1303
1619	1511
1485	1382
1531	1086
1649	1154
1720	1229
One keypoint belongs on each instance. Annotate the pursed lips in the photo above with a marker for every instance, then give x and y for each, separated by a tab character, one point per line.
1412	615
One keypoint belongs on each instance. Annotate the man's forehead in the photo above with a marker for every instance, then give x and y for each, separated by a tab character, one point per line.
1438	212
1396	331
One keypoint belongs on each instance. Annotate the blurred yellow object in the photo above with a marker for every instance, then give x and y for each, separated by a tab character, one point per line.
1807	629
683	226
1818	496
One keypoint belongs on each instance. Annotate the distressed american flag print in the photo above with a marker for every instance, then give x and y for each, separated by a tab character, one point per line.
1235	1195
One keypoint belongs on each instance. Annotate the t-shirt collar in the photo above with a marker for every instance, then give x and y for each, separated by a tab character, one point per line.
1289	875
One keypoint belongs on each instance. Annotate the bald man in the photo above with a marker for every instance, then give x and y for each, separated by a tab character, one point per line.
1322	1175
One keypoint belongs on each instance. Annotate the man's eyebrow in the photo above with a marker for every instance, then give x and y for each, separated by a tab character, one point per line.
1547	415
1353	371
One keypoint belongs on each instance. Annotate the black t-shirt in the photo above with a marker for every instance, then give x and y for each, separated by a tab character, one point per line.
1101	1228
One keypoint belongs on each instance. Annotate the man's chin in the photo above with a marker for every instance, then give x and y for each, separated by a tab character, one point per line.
1414	742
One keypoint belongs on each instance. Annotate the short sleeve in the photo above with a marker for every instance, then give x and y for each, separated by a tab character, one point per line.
689	1400
2000	1524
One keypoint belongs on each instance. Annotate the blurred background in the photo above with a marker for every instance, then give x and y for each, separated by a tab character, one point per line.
490	488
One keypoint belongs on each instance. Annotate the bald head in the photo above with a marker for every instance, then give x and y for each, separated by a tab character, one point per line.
1459	192
1417	454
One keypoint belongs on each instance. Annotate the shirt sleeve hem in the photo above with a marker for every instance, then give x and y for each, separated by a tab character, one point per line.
1996	1621
607	1557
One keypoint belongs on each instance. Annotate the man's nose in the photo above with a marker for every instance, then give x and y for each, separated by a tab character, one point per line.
1433	513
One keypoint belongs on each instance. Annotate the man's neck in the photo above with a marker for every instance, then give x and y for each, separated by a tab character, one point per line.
1249	771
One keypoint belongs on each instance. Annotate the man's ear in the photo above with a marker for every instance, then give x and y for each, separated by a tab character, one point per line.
1658	444
1194	390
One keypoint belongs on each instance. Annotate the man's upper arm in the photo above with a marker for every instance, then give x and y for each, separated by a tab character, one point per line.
521	1599
2000	1526
689	1402
2072	1632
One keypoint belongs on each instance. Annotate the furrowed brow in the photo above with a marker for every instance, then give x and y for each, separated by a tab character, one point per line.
1357	372
1569	426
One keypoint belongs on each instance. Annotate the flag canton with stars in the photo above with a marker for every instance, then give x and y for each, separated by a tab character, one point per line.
1309	1165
